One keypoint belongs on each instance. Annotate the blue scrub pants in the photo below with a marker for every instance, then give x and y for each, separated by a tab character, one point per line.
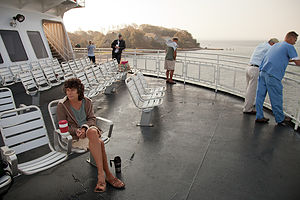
268	83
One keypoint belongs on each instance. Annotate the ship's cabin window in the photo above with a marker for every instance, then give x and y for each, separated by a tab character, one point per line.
13	45
37	44
1	60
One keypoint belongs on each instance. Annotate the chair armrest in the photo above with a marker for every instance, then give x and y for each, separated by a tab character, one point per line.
111	124
11	158
58	143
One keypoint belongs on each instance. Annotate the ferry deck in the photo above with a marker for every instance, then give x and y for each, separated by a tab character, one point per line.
201	147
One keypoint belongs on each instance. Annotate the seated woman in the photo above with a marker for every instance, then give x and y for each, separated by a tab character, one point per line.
78	111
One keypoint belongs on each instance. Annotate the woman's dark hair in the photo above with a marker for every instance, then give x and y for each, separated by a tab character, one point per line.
75	83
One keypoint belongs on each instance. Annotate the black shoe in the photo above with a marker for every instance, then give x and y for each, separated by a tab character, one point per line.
262	120
253	112
171	82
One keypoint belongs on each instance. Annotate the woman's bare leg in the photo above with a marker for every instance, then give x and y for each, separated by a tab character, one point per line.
109	176
96	150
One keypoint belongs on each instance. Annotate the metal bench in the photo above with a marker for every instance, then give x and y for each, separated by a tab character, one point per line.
142	92
145	105
24	132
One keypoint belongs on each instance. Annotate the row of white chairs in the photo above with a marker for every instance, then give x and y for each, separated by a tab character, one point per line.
10	75
95	78
144	97
23	130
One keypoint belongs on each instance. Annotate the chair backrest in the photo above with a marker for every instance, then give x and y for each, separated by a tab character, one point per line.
55	61
49	61
50	75
43	63
72	65
103	69
113	67
81	75
25	67
115	62
25	131
142	79
58	72
35	65
138	85
40	79
133	92
78	64
90	75
52	107
84	62
15	70
7	78
98	74
65	66
7	101
28	82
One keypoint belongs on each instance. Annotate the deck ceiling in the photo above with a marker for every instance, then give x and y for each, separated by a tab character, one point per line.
55	7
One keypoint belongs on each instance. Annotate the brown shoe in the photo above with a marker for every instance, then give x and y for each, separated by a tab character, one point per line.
262	120
285	121
252	112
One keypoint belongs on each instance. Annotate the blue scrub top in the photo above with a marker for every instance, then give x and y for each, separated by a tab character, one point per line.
277	59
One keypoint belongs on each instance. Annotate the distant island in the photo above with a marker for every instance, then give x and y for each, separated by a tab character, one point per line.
137	37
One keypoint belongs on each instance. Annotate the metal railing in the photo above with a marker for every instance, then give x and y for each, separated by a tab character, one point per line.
213	70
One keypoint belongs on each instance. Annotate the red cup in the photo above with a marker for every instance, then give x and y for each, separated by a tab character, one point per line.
63	126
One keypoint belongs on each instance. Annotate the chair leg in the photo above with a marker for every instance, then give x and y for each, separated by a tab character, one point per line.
36	99
146	118
109	89
124	76
91	160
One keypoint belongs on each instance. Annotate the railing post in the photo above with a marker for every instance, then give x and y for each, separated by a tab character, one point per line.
217	73
297	117
157	64
185	69
135	60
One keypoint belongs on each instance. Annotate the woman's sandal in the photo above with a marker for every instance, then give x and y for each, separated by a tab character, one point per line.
116	183
100	187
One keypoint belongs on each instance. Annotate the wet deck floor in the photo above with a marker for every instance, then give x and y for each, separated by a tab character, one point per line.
201	147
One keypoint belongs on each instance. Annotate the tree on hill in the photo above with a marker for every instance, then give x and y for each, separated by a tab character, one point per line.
142	37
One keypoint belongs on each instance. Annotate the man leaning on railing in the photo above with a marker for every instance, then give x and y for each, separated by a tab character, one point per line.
272	71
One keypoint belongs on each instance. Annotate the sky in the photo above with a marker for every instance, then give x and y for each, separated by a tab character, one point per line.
204	19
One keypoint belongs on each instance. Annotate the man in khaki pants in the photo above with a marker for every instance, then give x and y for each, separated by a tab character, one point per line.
253	73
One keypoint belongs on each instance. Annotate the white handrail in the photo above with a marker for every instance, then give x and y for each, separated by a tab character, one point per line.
58	46
214	70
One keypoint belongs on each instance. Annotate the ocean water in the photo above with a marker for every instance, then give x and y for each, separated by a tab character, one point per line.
236	47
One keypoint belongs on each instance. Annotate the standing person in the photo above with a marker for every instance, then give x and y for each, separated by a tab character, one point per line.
78	111
91	47
117	47
253	72
170	59
272	71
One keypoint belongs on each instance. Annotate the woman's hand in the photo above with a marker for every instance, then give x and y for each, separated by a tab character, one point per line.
81	132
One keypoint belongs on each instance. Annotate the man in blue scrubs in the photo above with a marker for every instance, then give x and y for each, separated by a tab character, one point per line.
272	71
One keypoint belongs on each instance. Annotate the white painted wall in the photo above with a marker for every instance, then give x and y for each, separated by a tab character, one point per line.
32	22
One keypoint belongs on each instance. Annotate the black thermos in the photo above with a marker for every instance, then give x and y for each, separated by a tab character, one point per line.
117	162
